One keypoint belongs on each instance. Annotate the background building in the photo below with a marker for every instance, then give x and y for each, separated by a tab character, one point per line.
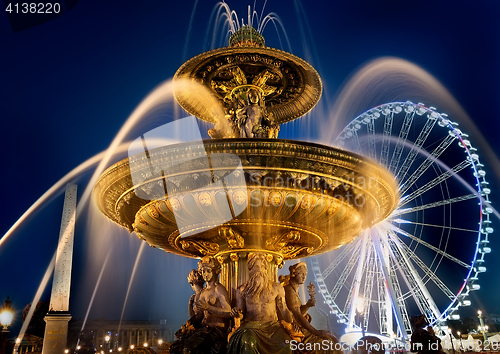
122	335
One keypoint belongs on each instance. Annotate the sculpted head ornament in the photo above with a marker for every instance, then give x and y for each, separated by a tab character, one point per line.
194	277
295	267
211	263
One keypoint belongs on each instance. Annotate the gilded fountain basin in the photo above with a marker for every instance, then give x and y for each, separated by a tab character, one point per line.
286	197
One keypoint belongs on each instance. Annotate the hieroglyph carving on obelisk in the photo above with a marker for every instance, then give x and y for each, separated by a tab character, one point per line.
56	328
59	299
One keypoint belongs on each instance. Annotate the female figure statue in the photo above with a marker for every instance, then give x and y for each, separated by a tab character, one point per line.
314	341
211	305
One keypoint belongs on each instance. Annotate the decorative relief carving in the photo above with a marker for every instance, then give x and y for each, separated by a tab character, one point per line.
284	244
153	212
275	199
206	248
276	243
205	199
294	251
234	257
233	238
173	204
308	201
139	219
280	262
240	197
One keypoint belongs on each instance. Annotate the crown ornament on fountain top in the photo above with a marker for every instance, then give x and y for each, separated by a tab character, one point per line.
257	87
247	36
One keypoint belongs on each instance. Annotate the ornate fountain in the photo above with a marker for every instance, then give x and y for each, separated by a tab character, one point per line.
245	190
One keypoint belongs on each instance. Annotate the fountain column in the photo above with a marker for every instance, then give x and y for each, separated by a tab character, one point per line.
56	329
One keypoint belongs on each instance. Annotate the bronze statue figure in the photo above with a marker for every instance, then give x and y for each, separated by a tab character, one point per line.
245	118
212	314
297	277
260	302
196	281
253	119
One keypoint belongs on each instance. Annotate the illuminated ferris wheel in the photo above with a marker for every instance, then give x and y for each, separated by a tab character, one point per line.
427	256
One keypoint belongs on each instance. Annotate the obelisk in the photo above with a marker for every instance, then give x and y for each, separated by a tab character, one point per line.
56	328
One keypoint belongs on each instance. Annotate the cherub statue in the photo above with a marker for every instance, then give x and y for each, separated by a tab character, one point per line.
250	117
253	119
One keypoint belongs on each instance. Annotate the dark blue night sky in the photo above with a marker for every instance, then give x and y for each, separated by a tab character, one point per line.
68	85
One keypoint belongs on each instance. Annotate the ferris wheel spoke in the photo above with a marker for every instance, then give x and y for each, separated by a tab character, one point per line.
357	279
370	276
357	144
419	142
384	152
347	308
410	282
324	290
371	139
424	166
391	292
419	291
401	221
434	182
428	245
428	272
385	318
342	280
352	248
360	270
397	288
398	212
403	135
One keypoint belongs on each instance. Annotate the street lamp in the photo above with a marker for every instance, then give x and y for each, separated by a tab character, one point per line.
6	315
107	338
451	340
460	336
482	328
360	306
